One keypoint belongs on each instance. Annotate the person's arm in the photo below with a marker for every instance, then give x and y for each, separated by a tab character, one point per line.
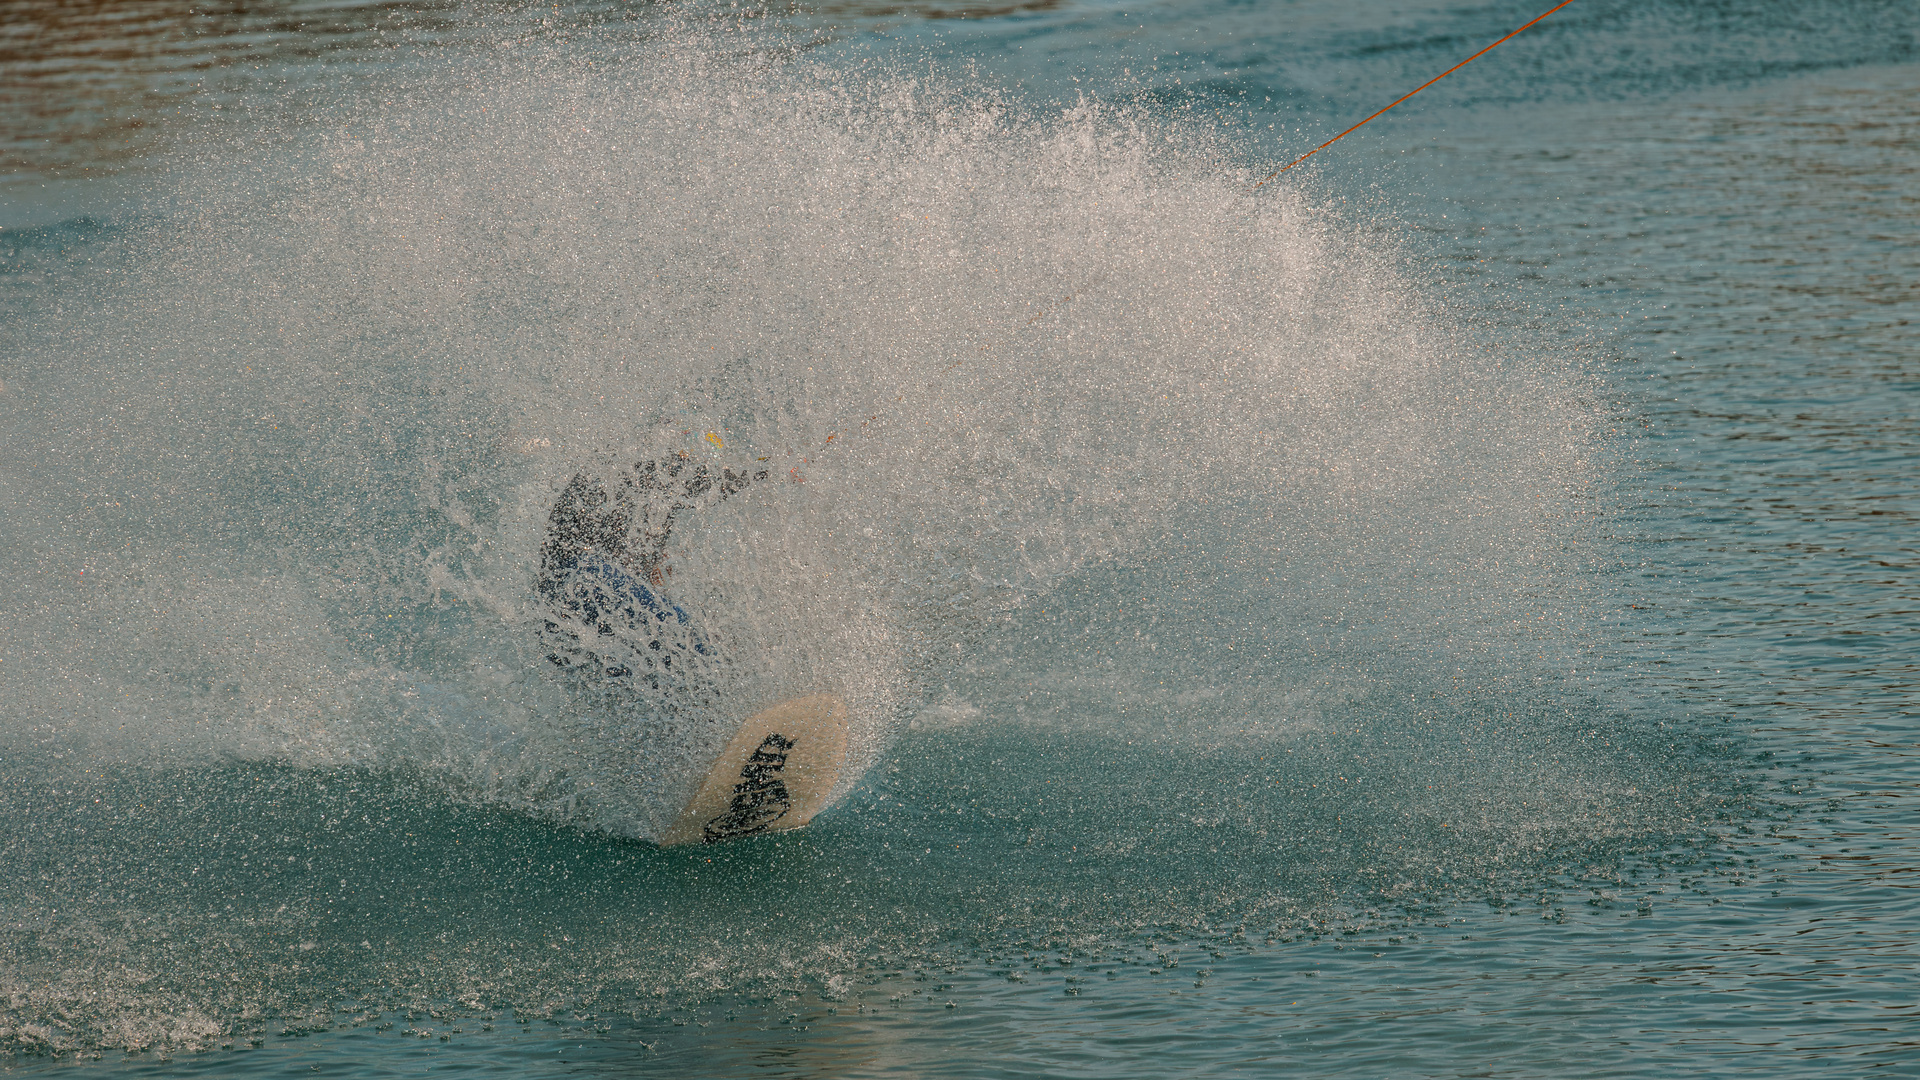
732	482
699	486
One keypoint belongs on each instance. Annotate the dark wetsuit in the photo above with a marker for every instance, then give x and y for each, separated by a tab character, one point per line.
605	552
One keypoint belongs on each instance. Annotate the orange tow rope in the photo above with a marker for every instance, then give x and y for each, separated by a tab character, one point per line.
1422	86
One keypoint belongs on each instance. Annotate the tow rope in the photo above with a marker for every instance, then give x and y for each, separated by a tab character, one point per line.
1422	86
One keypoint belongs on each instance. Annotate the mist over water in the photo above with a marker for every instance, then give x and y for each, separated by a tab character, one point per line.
1186	562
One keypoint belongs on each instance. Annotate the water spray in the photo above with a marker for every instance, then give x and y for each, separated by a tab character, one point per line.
1070	297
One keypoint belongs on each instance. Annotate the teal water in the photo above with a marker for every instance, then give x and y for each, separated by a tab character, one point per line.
1451	615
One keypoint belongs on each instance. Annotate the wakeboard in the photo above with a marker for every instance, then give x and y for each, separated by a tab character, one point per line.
774	775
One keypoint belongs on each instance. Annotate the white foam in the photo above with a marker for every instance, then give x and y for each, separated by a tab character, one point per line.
308	430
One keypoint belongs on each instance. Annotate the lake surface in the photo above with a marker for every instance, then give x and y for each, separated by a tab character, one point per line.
1450	611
